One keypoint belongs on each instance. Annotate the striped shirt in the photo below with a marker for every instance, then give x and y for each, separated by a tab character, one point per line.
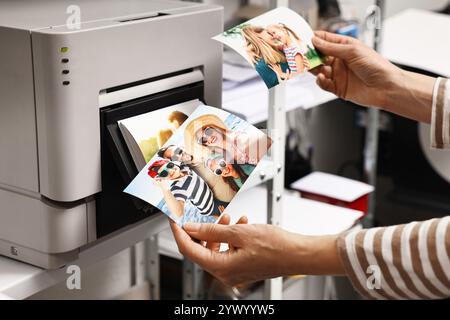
193	188
290	53
440	115
410	261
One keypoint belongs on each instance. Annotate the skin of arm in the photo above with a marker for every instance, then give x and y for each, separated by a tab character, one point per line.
257	252
175	206
357	73
299	63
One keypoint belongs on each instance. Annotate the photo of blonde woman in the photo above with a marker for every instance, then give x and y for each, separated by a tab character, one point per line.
209	134
264	51
277	44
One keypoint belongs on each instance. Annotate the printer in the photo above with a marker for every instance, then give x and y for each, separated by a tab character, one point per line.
63	87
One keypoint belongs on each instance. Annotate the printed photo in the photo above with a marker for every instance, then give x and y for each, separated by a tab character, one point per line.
202	166
277	44
145	134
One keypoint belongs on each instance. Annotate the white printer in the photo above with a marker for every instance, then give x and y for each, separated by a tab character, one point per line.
63	162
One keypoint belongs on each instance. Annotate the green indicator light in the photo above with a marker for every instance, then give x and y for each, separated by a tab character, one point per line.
64	49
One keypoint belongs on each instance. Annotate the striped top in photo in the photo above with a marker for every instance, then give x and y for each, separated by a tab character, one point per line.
290	54
193	188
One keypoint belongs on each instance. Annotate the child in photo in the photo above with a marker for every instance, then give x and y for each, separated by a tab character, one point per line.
294	49
266	55
277	44
176	153
235	175
185	185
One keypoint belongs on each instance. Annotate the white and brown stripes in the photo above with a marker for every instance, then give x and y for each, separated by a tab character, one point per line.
413	259
440	115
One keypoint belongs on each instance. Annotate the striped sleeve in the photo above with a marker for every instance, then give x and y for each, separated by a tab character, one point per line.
440	114
410	261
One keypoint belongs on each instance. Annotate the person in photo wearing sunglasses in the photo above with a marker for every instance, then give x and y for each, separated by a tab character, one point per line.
186	186
208	133
175	153
233	174
223	193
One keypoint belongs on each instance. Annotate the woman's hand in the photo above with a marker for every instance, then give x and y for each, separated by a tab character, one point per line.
357	73
353	71
256	252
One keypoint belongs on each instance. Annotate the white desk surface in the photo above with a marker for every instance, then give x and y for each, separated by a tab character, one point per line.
419	39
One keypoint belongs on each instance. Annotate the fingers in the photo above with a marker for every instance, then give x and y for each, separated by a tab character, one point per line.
211	232
195	252
242	220
327	71
215	246
339	47
325	83
333	37
316	70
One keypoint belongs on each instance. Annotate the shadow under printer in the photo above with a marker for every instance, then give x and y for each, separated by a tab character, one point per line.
64	164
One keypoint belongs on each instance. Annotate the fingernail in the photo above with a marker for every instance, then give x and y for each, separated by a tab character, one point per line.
191	226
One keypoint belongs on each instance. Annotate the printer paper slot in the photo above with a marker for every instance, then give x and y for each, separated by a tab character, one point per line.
116	209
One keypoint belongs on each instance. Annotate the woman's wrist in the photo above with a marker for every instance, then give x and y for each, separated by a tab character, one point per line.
410	95
315	255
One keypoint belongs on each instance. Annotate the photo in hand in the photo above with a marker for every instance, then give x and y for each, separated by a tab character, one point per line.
277	44
202	166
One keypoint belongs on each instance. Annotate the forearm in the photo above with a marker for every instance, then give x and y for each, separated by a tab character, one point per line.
314	255
173	204
410	95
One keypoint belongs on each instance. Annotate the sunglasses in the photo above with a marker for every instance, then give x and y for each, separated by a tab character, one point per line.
177	153
221	164
207	132
165	172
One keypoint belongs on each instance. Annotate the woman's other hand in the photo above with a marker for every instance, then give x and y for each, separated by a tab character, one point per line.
256	252
353	71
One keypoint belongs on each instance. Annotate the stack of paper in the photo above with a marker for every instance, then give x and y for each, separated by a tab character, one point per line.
332	186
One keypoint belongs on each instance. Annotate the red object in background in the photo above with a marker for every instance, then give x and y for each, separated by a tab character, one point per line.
360	204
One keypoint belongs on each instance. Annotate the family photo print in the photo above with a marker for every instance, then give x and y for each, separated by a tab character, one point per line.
202	166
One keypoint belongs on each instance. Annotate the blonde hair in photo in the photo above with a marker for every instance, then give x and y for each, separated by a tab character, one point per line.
259	48
191	146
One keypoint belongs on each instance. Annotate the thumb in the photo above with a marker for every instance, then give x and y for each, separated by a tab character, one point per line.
210	232
338	50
